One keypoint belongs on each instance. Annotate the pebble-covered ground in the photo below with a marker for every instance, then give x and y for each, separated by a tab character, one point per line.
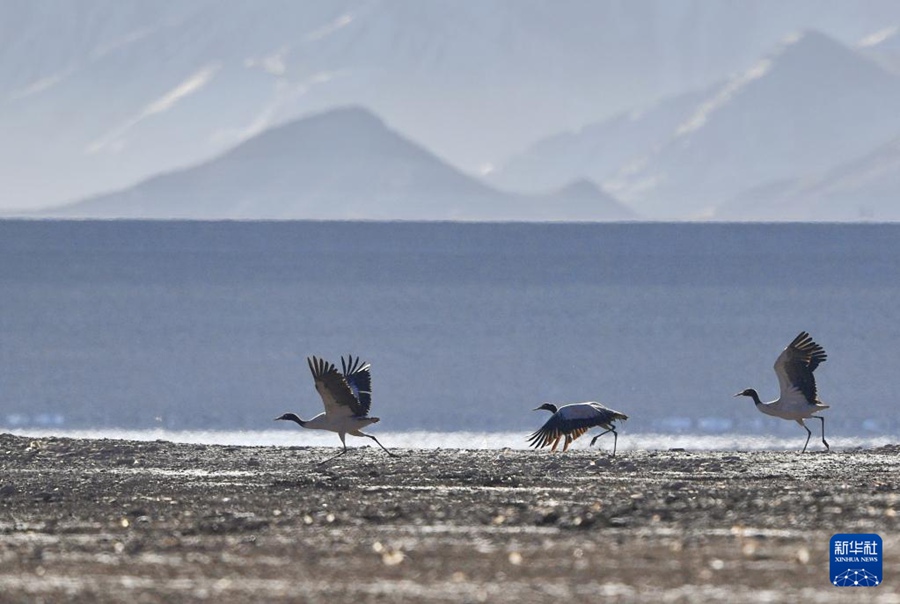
123	521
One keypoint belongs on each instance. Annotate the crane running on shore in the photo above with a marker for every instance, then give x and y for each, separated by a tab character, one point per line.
799	397
573	420
347	397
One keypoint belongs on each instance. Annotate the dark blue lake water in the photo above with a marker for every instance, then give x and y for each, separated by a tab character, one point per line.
193	325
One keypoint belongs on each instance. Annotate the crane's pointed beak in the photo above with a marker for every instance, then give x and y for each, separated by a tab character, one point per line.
739	394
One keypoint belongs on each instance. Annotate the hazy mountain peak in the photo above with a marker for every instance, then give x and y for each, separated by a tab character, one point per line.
356	114
809	105
341	163
799	61
808	41
812	49
583	199
346	130
596	151
583	188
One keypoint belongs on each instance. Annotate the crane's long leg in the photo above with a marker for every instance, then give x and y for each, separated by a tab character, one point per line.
333	457
615	439
358	433
823	431
593	440
343	442
567	443
808	434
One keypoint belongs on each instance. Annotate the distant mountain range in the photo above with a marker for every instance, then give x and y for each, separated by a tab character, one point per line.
340	164
867	188
531	96
749	149
98	95
806	108
596	151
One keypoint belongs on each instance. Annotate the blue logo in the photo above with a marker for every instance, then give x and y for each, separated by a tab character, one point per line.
856	560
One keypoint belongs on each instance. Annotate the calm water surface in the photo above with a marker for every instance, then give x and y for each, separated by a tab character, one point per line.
206	326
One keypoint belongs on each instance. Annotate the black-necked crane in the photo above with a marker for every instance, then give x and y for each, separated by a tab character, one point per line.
799	397
573	420
347	397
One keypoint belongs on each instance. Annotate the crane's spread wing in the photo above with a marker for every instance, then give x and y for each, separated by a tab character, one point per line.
795	365
574	420
357	375
333	388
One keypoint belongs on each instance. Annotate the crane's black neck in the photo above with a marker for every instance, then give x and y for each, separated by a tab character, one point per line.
292	417
752	394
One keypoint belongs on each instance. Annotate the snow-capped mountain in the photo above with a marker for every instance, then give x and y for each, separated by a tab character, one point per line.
811	105
341	164
883	46
99	94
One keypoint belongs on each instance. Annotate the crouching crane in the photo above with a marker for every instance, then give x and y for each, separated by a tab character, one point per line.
347	397
571	421
799	398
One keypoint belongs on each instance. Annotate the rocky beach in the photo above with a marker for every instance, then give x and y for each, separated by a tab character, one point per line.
85	520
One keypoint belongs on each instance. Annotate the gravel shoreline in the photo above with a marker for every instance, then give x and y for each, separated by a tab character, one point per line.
112	521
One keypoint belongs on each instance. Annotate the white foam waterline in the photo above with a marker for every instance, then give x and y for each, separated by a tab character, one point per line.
458	440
